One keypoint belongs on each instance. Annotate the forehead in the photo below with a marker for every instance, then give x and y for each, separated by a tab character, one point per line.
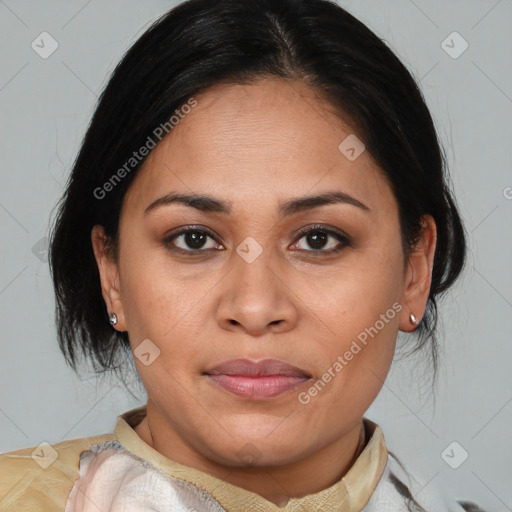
270	138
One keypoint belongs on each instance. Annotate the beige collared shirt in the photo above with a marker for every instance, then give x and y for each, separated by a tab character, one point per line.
42	478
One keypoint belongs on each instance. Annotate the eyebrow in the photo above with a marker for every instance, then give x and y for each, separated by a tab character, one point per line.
210	204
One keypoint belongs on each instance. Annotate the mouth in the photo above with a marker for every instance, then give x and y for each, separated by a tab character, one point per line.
257	380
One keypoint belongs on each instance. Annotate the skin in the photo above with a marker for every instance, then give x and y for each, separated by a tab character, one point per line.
256	146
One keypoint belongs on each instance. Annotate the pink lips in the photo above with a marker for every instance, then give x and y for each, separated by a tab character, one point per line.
257	380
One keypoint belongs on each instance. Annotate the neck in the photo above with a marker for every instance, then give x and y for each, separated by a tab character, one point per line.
276	484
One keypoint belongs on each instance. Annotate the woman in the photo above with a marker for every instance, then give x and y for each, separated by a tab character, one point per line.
259	206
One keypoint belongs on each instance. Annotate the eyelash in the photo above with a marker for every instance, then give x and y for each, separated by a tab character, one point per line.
344	239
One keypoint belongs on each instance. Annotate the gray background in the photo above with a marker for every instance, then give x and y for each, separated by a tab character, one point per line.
46	105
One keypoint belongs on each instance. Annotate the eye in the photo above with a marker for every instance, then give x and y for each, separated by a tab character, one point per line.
322	240
192	239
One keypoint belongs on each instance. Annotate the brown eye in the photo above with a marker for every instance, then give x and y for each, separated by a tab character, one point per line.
191	240
317	239
322	240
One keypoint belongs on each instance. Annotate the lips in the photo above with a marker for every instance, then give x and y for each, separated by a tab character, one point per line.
257	380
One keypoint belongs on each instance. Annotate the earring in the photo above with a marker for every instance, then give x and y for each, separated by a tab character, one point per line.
413	319
112	318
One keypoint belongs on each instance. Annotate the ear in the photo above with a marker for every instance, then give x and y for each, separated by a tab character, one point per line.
109	276
418	277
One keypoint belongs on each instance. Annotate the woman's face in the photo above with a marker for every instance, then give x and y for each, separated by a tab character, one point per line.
249	282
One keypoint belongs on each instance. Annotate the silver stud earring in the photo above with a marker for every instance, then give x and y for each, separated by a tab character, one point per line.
413	319
112	318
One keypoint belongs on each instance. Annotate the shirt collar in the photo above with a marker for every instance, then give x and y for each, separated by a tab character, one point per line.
349	494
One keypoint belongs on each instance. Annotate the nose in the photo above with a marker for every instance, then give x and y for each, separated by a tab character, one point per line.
256	299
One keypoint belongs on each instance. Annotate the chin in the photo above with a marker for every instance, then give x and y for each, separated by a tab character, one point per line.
251	449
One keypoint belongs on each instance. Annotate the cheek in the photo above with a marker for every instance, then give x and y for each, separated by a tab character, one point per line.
153	301
354	370
163	305
362	310
352	295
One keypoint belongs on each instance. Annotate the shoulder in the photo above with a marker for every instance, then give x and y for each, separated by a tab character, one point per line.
398	490
40	478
